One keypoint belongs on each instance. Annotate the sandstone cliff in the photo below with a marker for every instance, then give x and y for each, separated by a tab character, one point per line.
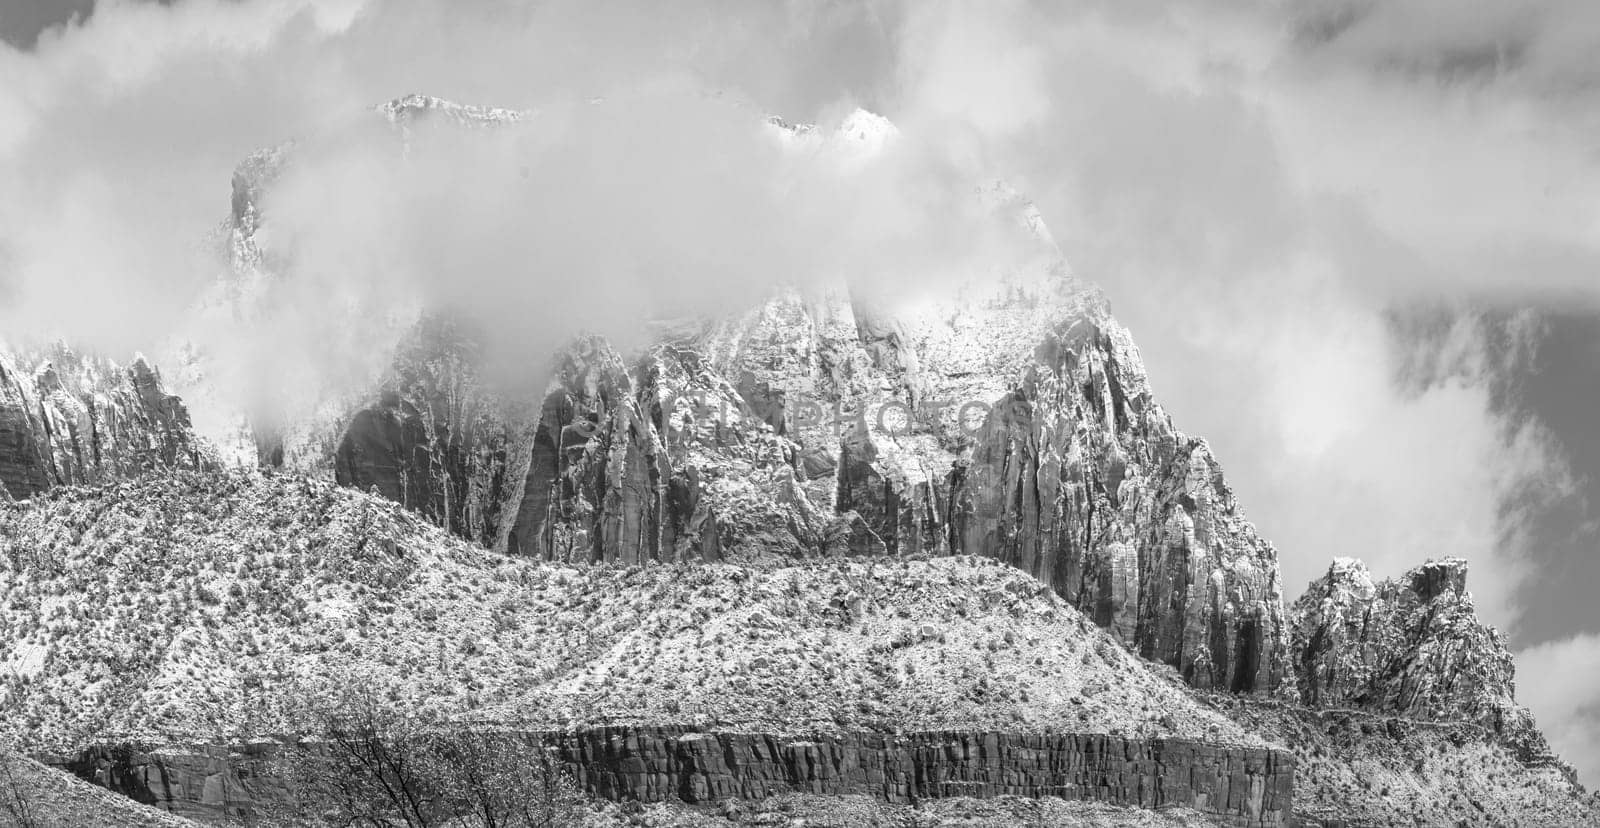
1233	786
1008	419
435	440
71	419
32	794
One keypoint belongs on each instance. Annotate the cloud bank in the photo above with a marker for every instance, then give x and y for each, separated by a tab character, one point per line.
1568	710
1272	194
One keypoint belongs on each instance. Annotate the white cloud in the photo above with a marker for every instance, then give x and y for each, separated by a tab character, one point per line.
1558	681
669	197
1256	209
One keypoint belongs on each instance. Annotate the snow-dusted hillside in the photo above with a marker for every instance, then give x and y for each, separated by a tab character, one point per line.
1359	768
35	796
197	605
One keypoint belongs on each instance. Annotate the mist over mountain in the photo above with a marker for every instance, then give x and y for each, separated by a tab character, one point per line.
730	406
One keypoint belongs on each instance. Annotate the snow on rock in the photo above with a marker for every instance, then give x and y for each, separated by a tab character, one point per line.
1411	646
66	418
1014	421
208	604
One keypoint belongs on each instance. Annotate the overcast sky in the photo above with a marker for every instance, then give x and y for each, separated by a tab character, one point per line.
1357	242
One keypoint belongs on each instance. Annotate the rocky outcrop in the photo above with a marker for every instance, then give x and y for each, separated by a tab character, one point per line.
653	460
69	419
435	441
1359	768
1232	785
1412	646
1016	425
1015	422
657	461
34	794
1079	478
1239	786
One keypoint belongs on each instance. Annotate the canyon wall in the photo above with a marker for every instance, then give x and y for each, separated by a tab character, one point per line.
435	440
1015	421
1233	785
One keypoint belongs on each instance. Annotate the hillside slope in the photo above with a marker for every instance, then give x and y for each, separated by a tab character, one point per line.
202	605
1359	768
34	796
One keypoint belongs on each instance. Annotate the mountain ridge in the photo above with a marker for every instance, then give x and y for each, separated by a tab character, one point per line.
1007	426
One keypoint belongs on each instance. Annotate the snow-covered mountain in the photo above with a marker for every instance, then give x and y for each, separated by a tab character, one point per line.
828	451
1011	419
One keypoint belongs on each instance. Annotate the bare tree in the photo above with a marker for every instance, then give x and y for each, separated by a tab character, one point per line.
360	764
504	779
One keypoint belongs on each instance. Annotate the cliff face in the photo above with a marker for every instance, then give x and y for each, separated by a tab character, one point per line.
67	419
1010	419
1412	646
1015	423
1230	785
598	482
603	469
434	441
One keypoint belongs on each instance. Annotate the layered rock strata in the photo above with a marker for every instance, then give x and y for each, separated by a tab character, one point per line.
1232	785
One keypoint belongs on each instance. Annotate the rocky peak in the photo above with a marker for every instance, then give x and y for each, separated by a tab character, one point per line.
409	109
1411	646
1014	422
1011	418
255	174
67	418
1440	578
